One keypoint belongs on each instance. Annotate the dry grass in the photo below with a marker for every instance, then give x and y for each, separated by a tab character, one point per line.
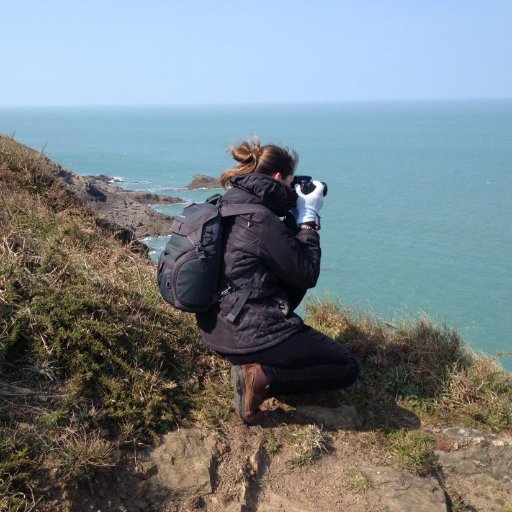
83	454
213	403
308	443
423	365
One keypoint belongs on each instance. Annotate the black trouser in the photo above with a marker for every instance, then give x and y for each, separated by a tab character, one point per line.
306	362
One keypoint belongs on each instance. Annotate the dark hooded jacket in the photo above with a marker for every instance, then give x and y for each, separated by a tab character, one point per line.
288	259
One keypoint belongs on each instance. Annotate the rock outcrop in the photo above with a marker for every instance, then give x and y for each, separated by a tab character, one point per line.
343	417
128	209
203	181
480	466
182	464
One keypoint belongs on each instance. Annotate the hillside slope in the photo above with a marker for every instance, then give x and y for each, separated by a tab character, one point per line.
95	367
88	350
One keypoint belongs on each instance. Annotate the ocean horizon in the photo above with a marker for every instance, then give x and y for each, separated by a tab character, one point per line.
418	216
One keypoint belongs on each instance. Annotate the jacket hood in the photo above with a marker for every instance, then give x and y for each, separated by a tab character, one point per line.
272	193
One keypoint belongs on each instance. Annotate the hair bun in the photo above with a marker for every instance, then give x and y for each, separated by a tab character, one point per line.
253	158
248	153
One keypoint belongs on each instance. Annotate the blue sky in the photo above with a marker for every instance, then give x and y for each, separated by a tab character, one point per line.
181	52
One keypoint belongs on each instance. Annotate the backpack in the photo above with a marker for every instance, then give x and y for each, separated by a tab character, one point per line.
189	266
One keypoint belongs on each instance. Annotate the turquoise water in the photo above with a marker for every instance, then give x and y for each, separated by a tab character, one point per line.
419	212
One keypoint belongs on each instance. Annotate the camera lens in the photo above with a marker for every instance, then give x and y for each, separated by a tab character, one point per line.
306	184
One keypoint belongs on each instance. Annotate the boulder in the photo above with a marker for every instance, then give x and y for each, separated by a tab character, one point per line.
182	464
492	464
479	466
401	492
344	417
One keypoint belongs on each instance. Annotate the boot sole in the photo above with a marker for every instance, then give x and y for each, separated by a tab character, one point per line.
238	385
237	379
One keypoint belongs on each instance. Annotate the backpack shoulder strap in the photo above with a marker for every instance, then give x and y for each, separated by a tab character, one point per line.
248	288
230	210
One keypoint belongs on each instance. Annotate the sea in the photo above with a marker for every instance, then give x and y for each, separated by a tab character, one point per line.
418	217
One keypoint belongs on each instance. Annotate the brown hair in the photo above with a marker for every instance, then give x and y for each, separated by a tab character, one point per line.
267	160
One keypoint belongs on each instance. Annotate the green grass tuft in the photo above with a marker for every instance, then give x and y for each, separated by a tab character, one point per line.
358	481
271	442
413	451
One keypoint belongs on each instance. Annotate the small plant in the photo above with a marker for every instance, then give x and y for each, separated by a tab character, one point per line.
271	443
52	420
309	442
83	455
413	451
358	481
507	507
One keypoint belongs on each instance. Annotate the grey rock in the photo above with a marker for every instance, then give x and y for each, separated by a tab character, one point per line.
401	492
184	462
466	436
344	417
492	464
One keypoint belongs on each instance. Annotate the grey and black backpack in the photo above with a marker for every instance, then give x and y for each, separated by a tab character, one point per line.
189	266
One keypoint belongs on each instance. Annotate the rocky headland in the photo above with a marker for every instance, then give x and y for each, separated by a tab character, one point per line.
129	209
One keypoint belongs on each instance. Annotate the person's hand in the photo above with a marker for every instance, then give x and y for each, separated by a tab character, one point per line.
308	205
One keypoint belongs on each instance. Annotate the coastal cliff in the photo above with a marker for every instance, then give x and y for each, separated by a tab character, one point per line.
126	209
109	400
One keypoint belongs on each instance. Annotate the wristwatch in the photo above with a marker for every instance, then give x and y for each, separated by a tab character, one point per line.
306	225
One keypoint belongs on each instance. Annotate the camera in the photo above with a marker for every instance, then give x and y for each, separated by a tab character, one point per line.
306	184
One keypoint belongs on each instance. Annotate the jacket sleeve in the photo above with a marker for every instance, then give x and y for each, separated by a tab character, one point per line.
293	258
